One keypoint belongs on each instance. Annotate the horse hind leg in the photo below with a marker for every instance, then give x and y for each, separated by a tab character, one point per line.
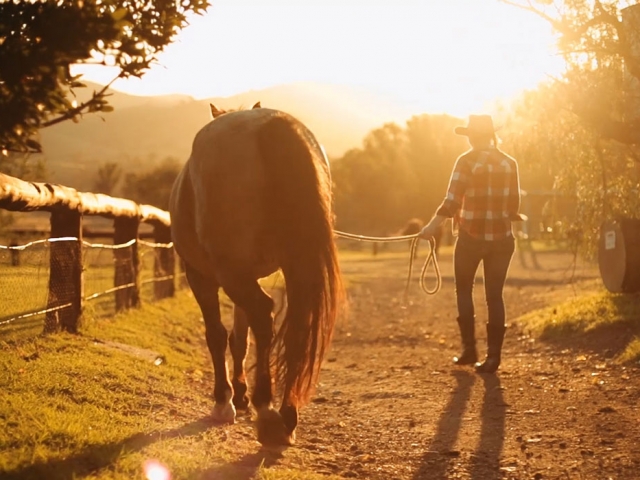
239	343
289	412
247	294
205	289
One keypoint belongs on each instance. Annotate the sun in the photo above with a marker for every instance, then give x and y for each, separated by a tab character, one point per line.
455	56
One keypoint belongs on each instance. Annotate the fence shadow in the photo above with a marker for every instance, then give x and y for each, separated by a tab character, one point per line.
441	448
96	457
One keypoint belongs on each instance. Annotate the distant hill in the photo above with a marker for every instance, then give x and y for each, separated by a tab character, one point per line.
145	129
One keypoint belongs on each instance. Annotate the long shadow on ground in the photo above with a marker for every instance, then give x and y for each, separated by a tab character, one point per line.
97	457
437	459
245	468
485	464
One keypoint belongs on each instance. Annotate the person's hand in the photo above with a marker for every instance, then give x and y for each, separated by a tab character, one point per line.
429	231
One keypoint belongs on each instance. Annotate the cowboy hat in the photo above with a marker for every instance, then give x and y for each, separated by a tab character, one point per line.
478	124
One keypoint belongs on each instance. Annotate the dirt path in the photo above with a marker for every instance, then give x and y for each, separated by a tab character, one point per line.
391	405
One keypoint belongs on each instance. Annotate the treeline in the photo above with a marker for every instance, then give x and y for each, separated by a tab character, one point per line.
399	173
402	172
149	184
558	150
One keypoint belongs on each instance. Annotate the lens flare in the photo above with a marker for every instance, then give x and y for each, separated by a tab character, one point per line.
154	470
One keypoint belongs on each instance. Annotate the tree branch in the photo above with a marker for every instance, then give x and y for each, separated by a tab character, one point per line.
530	8
24	151
627	133
602	17
78	110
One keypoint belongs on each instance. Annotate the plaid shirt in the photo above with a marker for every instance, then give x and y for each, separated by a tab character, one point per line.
484	194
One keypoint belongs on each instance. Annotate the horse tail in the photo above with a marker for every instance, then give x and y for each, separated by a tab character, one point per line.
299	211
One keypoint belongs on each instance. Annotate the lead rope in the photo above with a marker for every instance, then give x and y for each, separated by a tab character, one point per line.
415	239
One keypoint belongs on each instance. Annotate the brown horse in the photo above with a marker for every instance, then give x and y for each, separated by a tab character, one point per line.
254	197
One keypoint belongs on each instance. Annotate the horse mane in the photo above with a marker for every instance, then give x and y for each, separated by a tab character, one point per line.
301	205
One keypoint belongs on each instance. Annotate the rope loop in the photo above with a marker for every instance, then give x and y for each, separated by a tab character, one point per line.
415	240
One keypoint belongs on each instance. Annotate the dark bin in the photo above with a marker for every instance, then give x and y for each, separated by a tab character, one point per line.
619	255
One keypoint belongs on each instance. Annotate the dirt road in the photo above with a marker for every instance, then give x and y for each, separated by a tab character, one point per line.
391	405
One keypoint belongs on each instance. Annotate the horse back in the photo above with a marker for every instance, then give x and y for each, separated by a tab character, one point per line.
218	203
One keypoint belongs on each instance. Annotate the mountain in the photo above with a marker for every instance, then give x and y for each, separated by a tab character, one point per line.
146	129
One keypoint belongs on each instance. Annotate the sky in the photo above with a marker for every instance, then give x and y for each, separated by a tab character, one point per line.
452	56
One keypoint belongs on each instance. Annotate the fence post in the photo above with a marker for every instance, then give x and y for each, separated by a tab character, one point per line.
15	254
127	263
164	264
65	273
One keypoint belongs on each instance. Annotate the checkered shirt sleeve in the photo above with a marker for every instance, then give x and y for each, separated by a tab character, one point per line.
458	183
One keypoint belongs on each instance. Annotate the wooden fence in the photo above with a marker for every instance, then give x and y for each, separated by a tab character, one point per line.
67	207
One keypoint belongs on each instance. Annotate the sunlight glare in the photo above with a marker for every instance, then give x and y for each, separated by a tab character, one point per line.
446	56
154	470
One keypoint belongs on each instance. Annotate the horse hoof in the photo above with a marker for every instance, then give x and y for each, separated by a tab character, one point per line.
241	402
272	430
224	413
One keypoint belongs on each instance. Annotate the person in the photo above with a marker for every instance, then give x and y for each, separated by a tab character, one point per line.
483	199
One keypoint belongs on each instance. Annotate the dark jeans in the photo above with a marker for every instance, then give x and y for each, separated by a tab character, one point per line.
496	257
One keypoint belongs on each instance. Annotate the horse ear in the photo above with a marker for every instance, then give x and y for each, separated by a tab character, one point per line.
256	105
215	111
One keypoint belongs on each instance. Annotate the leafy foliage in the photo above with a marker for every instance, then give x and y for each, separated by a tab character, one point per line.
583	129
41	39
108	177
398	174
153	186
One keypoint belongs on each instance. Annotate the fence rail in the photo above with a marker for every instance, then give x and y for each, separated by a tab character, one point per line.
66	273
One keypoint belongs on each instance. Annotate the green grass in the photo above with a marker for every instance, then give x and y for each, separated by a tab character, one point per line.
598	314
24	288
71	407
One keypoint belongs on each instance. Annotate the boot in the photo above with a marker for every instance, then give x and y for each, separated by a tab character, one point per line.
468	334
495	336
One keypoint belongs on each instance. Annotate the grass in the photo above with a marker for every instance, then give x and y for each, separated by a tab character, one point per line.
24	288
596	320
74	408
71	407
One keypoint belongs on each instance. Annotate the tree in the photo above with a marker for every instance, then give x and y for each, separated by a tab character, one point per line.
107	178
600	42
41	39
153	187
588	121
398	174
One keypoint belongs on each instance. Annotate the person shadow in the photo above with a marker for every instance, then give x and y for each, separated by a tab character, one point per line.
437	459
485	462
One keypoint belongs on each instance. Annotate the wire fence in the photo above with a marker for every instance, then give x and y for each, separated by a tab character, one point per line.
111	274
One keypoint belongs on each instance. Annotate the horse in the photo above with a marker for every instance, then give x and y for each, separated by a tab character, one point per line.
254	197
415	225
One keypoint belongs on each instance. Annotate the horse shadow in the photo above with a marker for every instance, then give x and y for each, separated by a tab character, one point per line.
97	457
246	468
